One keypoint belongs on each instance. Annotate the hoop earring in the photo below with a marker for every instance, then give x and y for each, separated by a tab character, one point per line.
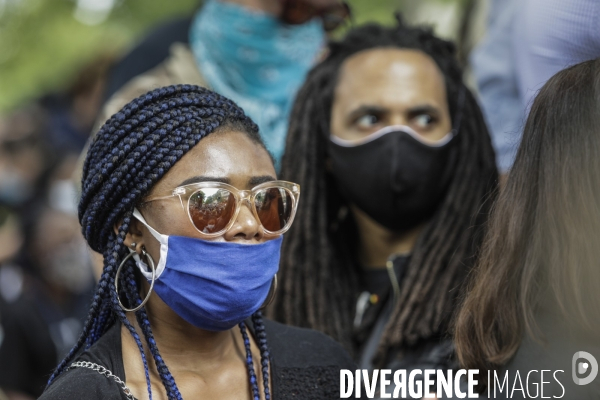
271	295
151	261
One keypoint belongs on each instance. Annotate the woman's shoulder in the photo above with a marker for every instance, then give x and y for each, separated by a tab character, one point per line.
94	374
300	347
83	383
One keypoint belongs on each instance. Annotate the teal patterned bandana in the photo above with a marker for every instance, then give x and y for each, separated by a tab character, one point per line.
255	60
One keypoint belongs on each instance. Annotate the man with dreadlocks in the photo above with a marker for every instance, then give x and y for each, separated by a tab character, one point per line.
397	172
180	196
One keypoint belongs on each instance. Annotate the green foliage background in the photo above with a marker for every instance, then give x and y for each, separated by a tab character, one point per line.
42	45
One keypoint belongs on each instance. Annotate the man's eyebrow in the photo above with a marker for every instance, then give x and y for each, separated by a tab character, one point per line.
197	179
423	109
366	110
257	180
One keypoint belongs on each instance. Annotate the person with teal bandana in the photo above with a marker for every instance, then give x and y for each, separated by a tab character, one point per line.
255	52
259	63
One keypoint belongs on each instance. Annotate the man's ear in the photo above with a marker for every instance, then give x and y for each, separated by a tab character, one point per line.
134	233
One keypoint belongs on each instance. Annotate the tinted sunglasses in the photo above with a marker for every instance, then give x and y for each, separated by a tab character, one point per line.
214	206
299	12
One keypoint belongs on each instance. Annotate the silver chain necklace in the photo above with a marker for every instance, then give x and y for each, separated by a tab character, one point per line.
106	372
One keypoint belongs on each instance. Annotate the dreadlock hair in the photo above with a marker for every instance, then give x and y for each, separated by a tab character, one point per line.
319	269
132	151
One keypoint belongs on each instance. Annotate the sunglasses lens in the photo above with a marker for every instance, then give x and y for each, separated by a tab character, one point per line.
274	208
211	209
296	12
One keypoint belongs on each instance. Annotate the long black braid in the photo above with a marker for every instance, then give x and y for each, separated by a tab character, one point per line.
132	151
319	272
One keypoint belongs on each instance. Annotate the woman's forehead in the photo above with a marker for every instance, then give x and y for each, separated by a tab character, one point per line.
226	154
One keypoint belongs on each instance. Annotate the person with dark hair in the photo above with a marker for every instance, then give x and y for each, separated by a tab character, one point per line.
396	167
256	53
533	302
180	196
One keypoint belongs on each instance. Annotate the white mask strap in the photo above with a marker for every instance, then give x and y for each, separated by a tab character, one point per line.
164	248
393	128
154	232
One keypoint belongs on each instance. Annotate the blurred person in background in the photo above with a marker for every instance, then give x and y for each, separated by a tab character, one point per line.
255	52
27	350
527	42
27	353
397	171
44	297
25	155
45	287
36	137
61	260
71	113
533	300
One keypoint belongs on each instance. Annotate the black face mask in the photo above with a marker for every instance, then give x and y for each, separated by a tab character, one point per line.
393	175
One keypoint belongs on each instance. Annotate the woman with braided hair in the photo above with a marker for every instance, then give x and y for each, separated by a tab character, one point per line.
396	168
180	196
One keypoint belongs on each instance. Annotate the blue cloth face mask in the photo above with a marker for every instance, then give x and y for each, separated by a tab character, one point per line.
212	285
256	60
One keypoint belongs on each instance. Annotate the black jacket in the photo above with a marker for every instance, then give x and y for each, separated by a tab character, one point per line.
305	364
373	314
